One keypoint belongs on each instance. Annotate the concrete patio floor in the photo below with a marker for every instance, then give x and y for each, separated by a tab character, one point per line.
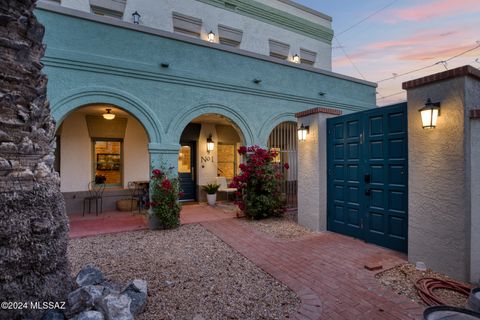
326	270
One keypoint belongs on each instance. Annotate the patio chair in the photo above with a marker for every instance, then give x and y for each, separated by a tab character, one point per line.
95	191
222	181
136	194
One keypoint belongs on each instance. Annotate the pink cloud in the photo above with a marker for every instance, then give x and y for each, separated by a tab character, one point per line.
434	9
438	53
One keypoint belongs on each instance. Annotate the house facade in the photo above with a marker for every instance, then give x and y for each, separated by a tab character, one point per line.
172	86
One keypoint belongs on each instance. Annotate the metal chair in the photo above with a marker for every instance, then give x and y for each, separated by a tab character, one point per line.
95	191
136	195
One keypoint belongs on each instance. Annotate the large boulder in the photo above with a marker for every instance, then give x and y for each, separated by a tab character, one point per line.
115	307
89	275
53	314
136	290
89	315
84	298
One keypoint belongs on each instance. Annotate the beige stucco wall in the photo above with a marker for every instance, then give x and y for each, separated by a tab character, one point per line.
312	173
76	153
438	211
475	201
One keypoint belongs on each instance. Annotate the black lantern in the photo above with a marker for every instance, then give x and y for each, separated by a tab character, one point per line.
136	17
429	114
210	144
302	132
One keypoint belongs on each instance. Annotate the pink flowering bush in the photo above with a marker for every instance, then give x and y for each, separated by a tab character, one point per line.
258	184
165	192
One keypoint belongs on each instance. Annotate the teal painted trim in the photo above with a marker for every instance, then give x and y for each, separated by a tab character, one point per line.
272	122
201	83
276	17
189	113
61	107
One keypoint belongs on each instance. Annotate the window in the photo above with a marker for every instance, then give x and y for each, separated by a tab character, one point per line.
107	161
186	25
109	8
229	36
226	160
185	160
307	56
278	49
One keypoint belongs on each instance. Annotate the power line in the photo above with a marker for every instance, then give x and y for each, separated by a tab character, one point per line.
366	18
443	62
348	57
391	95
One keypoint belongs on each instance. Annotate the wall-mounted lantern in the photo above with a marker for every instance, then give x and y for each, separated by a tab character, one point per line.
211	36
302	132
210	144
429	114
109	115
296	58
136	17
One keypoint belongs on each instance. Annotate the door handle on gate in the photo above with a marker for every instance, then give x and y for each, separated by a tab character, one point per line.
193	173
368	191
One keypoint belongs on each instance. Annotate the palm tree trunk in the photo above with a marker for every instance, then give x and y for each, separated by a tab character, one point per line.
33	223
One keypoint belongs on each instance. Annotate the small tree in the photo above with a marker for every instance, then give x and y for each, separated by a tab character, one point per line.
165	195
258	184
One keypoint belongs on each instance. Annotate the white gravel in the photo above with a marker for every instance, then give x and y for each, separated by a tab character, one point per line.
282	228
191	274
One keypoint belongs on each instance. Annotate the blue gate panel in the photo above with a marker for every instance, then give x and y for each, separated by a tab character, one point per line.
368	176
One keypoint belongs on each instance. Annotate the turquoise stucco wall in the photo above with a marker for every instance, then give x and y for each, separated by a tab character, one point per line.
92	62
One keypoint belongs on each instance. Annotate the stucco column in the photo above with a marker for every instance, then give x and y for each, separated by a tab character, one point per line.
164	155
475	196
312	168
443	225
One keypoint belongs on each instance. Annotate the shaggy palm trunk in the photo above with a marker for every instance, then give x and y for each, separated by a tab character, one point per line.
33	224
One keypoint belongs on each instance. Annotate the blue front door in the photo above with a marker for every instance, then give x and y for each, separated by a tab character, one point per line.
368	176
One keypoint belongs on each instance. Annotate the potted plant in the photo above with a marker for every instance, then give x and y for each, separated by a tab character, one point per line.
211	190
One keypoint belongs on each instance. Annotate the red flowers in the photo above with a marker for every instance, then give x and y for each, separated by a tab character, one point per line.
286	166
242	150
166	184
156	172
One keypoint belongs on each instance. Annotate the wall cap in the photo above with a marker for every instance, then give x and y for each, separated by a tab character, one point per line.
445	75
475	114
309	112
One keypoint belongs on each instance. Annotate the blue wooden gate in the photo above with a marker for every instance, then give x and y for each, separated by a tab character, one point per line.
368	176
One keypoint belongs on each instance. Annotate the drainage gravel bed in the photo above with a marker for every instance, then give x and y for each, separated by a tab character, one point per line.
191	274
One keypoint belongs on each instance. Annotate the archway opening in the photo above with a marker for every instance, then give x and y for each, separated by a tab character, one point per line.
208	154
92	149
283	139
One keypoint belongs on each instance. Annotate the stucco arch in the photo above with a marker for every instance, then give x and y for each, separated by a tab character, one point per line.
179	123
74	99
271	123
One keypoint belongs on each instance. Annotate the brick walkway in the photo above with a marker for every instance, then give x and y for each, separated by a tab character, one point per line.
326	271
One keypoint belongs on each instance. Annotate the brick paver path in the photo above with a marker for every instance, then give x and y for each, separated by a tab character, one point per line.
326	271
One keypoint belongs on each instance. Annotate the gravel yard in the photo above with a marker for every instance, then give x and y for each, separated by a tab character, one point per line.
282	228
191	274
402	278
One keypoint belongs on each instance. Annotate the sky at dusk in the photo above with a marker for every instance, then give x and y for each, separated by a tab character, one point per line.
404	35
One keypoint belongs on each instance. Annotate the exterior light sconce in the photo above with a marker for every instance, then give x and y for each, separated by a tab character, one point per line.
257	81
296	58
211	36
430	113
109	115
164	64
321	93
210	144
303	132
136	17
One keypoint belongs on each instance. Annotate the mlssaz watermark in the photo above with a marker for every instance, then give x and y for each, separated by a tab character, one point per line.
34	305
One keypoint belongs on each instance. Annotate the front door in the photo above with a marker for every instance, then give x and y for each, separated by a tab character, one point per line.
186	171
368	176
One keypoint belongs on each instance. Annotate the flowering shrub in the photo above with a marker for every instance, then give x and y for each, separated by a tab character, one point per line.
258	184
165	194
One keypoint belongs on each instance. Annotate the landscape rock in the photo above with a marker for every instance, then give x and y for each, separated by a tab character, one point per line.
53	315
136	290
115	307
90	315
89	275
84	298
